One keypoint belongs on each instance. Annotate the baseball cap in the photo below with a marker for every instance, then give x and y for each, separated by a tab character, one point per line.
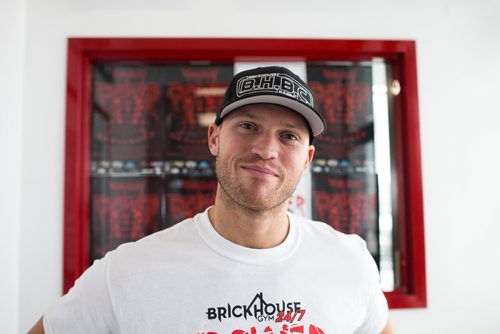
275	85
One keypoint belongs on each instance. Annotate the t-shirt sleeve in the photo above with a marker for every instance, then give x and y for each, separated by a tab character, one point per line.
377	309
87	307
376	315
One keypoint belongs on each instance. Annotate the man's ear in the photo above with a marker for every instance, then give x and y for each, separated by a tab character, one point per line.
213	139
310	156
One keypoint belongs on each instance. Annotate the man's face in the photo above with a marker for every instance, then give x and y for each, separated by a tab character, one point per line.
261	152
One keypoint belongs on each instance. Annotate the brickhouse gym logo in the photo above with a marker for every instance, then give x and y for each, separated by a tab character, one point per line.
259	309
274	83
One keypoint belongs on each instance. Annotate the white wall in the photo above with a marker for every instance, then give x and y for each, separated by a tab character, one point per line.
12	37
458	51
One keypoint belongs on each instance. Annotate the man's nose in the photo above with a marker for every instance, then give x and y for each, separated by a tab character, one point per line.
266	146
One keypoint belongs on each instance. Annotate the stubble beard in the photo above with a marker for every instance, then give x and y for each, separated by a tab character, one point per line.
234	194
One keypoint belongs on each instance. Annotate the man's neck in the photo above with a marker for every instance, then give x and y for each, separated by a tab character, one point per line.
248	228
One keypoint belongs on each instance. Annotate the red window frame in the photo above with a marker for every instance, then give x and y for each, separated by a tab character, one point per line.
82	52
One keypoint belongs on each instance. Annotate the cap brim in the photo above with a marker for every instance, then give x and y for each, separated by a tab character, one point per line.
315	121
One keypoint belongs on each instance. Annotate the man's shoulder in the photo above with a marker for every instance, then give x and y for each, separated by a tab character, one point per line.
324	235
163	241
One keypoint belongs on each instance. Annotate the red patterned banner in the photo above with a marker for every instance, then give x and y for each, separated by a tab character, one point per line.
127	116
344	96
123	209
186	197
349	204
193	95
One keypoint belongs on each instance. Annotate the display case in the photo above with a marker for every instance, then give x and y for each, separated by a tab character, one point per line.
137	159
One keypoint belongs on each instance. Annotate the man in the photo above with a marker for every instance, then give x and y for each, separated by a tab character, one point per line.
245	265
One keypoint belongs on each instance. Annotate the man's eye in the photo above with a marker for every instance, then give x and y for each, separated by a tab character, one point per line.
291	136
247	126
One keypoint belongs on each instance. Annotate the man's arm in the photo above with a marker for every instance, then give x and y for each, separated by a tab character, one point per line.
387	329
37	328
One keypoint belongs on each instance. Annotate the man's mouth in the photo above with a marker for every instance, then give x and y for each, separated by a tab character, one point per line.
260	170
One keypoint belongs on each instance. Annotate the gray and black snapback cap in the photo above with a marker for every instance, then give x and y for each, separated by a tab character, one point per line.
275	85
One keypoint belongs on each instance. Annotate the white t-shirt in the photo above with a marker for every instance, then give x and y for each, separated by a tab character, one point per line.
188	279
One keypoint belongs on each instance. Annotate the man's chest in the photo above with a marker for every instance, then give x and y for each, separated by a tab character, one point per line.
241	302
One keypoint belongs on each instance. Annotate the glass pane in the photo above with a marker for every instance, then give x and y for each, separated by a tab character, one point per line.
351	172
383	163
150	166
